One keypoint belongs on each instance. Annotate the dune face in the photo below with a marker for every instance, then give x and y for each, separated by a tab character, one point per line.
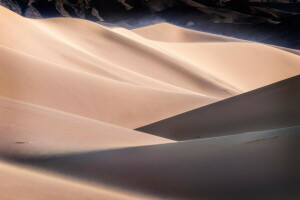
260	165
19	183
139	83
73	91
271	107
30	130
161	32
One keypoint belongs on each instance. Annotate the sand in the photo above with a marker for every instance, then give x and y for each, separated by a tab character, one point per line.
256	165
31	130
270	107
72	92
138	81
19	182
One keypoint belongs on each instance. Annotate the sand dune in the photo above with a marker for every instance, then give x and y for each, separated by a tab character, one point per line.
222	58
173	34
227	64
31	130
169	33
87	95
71	91
21	183
137	81
257	165
271	107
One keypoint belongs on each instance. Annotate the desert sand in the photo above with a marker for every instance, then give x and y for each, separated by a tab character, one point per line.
230	167
271	107
31	130
19	182
138	81
72	92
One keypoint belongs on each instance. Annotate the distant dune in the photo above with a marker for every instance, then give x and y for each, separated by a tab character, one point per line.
168	33
72	91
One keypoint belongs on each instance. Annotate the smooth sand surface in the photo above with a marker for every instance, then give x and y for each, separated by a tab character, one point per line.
121	78
17	183
270	107
165	32
169	33
242	64
71	91
257	165
30	130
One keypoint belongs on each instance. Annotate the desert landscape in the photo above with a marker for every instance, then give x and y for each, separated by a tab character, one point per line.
89	111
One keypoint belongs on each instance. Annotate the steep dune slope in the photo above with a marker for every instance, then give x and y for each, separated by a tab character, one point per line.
257	165
21	183
274	106
31	130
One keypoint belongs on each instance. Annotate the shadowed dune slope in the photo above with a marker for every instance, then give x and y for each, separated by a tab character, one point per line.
21	183
31	130
258	165
270	107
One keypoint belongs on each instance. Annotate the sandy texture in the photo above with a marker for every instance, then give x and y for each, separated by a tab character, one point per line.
31	130
72	91
270	107
257	165
21	183
119	77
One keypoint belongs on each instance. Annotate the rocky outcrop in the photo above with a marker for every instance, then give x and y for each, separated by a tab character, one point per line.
260	20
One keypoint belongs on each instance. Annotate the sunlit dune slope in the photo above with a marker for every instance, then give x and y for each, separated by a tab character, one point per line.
119	77
69	65
22	183
69	90
31	130
169	33
270	107
259	65
257	165
173	34
239	63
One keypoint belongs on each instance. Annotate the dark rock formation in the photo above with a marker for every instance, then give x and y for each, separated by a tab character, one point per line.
275	22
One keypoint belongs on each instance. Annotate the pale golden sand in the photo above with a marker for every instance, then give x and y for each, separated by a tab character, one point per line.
70	86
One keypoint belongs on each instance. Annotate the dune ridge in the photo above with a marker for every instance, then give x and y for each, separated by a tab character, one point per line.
31	130
273	106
